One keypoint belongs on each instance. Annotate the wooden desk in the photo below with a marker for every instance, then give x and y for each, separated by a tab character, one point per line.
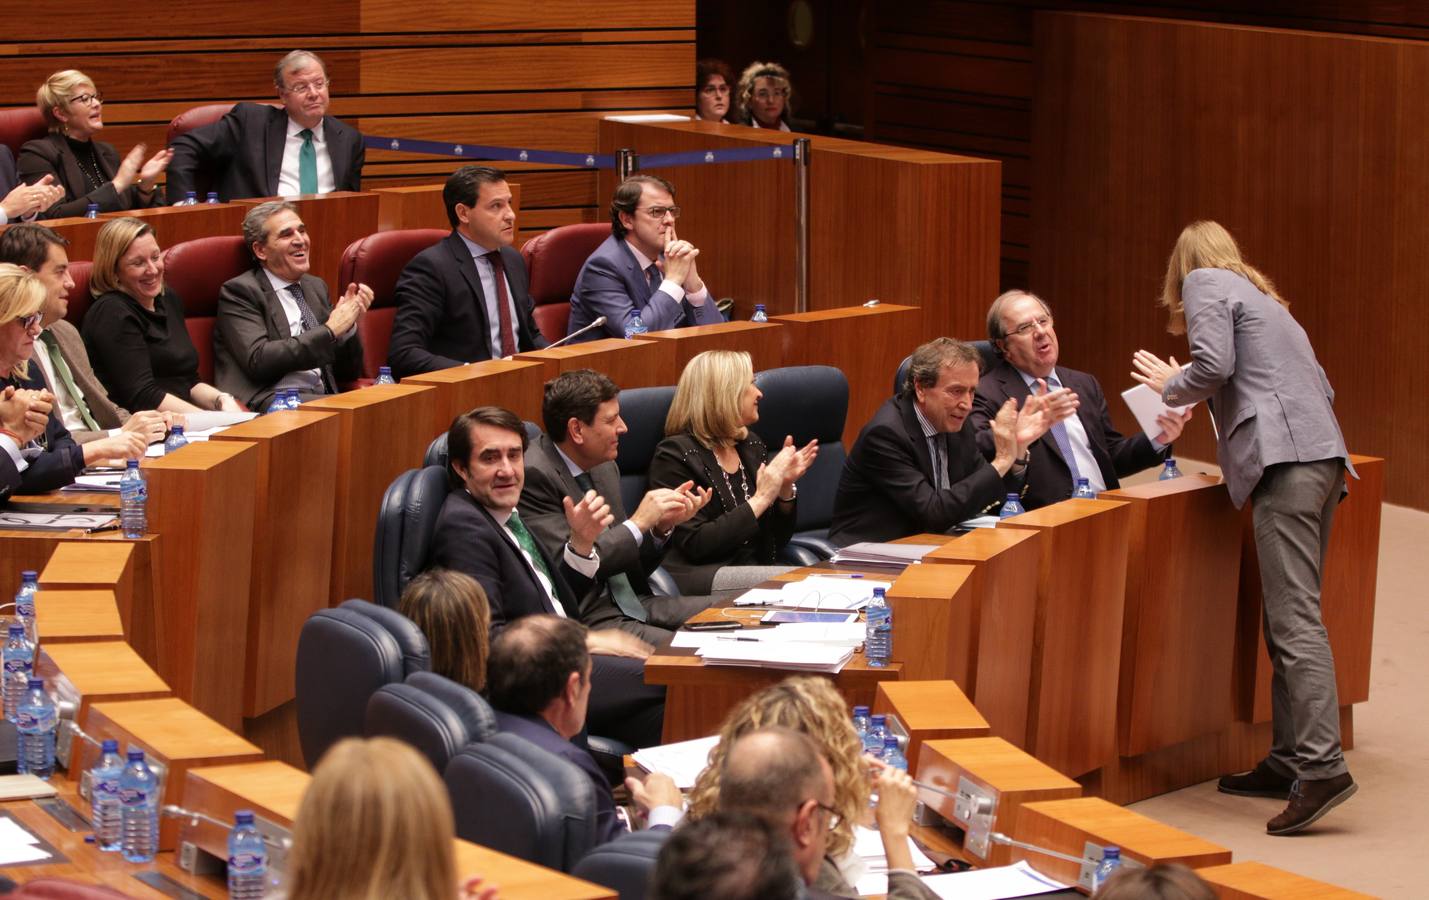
514	384
79	231
109	565
763	341
176	224
85	674
1257	881
930	711
334	220
68	617
291	561
638	363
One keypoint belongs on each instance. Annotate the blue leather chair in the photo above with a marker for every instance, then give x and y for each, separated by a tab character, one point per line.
624	865
425	720
644	411
405	522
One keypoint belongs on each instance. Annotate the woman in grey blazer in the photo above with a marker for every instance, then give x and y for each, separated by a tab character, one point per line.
1278	443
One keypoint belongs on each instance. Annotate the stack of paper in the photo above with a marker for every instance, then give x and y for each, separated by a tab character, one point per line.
1019	880
683	761
96	483
871	876
874	554
828	659
17	845
831	592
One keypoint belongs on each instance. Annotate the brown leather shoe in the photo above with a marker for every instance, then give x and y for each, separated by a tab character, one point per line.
1262	781
1309	800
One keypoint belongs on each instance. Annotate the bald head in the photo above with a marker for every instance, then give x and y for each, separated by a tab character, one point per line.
770	771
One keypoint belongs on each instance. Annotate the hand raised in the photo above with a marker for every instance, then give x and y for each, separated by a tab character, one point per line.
587	519
1150	370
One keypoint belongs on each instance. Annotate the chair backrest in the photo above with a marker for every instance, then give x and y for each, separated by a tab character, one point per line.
807	402
626	864
195	117
20	124
644	411
377	261
514	797
987	358
416	653
405	521
553	260
79	298
900	377
421	719
470	707
196	271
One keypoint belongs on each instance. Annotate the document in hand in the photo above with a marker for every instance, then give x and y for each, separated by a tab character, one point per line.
1146	405
682	761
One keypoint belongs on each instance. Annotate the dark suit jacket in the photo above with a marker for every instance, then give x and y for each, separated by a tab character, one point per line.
539	732
8	179
611	284
726	532
1048	478
255	348
61	460
886	490
441	311
51	155
243	152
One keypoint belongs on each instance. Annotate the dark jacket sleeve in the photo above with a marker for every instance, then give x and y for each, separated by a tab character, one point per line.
211	147
115	341
420	300
243	326
519	281
58	465
984	410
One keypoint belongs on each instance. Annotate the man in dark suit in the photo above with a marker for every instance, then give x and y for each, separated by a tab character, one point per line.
465	298
1020	327
262	151
21	200
539	682
642	268
914	468
275	327
576	456
479	532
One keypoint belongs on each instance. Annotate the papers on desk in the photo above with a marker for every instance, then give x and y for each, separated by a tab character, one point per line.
842	634
1017	880
1146	405
979	522
683	761
870	874
831	592
57	521
828	659
17	845
206	423
105	482
875	554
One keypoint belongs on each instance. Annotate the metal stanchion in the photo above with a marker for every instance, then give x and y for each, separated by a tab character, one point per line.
627	163
801	225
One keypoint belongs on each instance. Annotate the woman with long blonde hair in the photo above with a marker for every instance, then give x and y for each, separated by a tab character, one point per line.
1278	444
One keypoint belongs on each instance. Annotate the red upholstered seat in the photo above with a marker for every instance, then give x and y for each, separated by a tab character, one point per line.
196	117
79	298
196	270
376	261
19	124
554	259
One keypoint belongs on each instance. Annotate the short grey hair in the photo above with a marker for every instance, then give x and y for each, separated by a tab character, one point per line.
927	362
995	330
291	61
255	224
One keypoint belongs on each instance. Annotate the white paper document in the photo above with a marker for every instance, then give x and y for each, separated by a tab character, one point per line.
1146	405
873	877
826	658
1017	880
872	553
830	592
17	845
683	761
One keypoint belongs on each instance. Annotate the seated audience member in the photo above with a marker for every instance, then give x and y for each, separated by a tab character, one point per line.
24	201
276	329
135	331
258	150
642	268
1163	881
732	542
89	170
23	418
1084	445
540	687
574	460
465	298
479	532
372	838
764	96
452	611
914	468
729	855
83	404
713	82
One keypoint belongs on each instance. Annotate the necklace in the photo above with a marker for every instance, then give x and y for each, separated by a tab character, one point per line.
88	162
743	492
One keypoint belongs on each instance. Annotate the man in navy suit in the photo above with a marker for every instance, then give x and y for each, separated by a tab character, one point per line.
539	681
642	268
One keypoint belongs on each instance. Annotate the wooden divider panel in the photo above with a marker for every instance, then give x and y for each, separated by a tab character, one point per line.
176	224
76	616
113	565
637	363
512	383
762	341
930	710
1258	881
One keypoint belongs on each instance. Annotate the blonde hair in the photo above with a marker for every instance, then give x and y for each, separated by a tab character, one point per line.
745	94
1206	245
707	398
57	91
809	704
452	610
22	293
374	823
110	245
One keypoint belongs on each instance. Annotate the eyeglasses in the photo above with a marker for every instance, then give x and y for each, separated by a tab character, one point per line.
658	212
309	87
767	94
93	99
711	90
834	817
1043	323
28	322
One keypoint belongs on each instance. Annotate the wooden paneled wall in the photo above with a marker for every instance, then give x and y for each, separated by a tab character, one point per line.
509	73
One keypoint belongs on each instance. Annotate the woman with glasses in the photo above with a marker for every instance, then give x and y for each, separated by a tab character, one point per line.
764	96
89	170
135	331
713	81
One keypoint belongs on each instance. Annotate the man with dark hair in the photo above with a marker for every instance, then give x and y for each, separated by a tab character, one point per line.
539	682
642	269
576	456
479	532
275	328
465	298
914	469
729	855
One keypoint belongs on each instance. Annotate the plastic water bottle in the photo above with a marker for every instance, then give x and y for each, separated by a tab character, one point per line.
212	197
1111	861
91	211
133	501
1169	470
877	729
1013	507
1084	490
759	314
291	398
25	604
892	754
19	665
175	440
634	326
36	723
860	722
247	859
190	199
104	797
278	403
878	636
384	375
138	810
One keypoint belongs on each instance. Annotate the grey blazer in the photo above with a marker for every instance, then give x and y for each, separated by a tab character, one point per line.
106	413
1270	398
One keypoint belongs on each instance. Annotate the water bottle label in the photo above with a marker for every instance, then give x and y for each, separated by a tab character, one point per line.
15	664
133	796
248	861
105	787
33	721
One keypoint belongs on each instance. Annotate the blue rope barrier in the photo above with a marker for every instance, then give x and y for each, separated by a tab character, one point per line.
723	155
482	151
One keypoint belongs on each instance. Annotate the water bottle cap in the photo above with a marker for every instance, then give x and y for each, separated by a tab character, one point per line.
29	575
1012	496
243	817
1082	481
1170	461
189	194
36	684
860	710
879	718
17	629
213	194
176	429
890	742
384	370
880	592
1111	853
131	464
759	306
109	746
136	755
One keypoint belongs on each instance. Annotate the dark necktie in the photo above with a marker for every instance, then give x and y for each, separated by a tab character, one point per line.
620	588
66	378
652	275
307	164
1059	434
503	304
308	321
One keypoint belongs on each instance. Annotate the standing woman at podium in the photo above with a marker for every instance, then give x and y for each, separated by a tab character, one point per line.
1279	445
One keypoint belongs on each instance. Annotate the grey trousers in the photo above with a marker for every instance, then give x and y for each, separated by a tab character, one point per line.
1293	506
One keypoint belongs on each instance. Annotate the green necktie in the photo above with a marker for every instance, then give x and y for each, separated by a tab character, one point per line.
620	588
63	373
307	164
528	543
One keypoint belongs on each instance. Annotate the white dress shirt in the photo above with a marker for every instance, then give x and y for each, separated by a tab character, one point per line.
487	274
288	183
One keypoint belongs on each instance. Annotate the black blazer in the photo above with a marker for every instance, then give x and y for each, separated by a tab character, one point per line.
886	490
726	532
51	155
1048	478
61	460
243	153
441	318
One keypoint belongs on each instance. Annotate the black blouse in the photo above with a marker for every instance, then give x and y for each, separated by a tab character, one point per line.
140	355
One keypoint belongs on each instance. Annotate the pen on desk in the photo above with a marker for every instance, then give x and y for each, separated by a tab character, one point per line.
721	637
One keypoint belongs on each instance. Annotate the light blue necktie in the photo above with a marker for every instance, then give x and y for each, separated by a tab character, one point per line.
1059	434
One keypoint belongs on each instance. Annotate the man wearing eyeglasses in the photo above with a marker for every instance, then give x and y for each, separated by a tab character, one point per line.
264	151
642	269
1084	445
